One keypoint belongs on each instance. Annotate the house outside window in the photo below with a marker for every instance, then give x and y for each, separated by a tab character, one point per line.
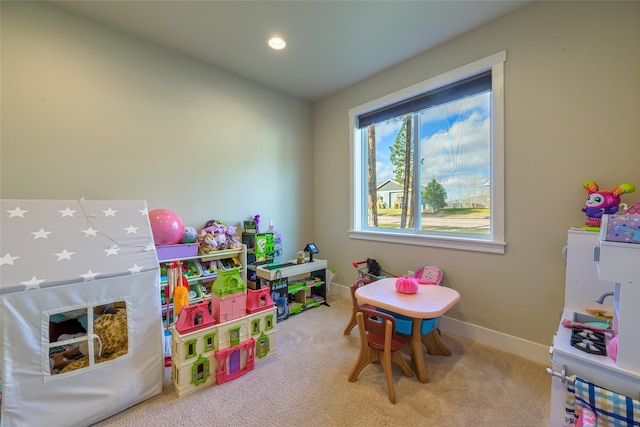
427	162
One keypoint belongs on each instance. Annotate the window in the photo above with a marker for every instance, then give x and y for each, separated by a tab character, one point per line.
427	162
262	346
209	342
255	326
234	336
190	347
269	322
68	333
200	371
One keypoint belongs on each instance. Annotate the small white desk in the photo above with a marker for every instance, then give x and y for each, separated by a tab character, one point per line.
290	269
430	301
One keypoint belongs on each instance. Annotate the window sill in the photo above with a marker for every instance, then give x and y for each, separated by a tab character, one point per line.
476	245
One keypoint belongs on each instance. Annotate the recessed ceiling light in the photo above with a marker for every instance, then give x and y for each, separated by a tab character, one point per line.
277	43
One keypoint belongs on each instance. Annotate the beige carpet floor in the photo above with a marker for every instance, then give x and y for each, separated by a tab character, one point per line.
305	384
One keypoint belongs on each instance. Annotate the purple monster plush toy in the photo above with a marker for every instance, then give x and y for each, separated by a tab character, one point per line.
600	202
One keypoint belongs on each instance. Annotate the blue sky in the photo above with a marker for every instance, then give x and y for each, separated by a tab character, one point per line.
455	145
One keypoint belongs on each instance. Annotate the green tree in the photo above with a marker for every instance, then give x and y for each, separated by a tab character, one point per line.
435	195
372	187
402	159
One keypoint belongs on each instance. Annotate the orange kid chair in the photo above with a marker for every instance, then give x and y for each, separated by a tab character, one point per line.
379	342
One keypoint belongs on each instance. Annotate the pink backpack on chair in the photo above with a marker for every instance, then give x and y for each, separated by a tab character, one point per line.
429	275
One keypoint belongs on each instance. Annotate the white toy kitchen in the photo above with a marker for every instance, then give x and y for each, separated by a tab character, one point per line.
603	275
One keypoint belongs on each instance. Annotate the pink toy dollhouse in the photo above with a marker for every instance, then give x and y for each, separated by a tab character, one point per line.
224	339
230	361
259	299
194	317
228	296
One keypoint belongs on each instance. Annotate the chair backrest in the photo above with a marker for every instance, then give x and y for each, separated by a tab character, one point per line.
361	282
381	329
357	284
429	275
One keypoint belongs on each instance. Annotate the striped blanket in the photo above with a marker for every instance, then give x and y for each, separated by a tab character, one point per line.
610	409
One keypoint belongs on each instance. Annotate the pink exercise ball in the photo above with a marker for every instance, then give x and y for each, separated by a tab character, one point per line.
167	226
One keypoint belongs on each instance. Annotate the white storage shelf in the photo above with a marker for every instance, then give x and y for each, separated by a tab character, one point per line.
240	254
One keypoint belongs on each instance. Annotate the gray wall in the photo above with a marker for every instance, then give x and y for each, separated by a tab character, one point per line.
91	112
572	109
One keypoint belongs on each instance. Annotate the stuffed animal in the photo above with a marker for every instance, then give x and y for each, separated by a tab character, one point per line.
112	343
214	227
600	202
206	243
232	237
221	241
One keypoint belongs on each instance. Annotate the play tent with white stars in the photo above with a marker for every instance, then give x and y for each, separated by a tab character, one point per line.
45	243
59	255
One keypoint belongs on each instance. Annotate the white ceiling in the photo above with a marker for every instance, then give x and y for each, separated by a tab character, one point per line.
330	44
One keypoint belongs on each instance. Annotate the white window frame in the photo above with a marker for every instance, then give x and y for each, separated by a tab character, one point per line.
494	242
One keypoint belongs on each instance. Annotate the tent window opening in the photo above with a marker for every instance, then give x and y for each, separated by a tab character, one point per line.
84	336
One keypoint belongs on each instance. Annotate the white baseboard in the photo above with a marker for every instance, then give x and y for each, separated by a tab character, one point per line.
517	346
341	290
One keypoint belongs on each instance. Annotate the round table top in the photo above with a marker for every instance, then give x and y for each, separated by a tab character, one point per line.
430	300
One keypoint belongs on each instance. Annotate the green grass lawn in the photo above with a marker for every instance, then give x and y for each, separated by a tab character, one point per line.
459	212
449	220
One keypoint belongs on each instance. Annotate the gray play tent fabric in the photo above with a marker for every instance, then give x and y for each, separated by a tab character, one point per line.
93	265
